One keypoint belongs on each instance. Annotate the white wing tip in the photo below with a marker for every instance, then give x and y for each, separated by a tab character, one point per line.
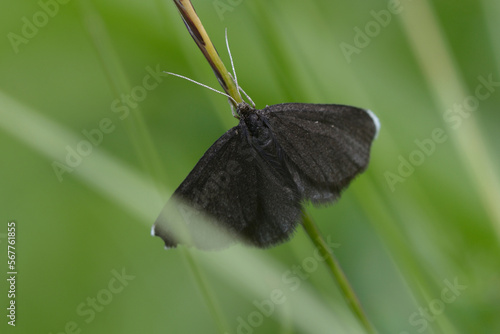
376	121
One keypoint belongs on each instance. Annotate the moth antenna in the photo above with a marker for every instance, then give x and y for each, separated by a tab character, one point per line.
235	78
248	97
241	90
203	85
234	111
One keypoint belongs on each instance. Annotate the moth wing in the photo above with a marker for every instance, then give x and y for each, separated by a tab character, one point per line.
229	194
326	145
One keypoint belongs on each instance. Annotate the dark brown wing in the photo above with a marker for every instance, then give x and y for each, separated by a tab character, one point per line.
230	194
326	145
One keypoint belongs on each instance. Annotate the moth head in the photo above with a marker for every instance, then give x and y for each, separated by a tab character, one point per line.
244	109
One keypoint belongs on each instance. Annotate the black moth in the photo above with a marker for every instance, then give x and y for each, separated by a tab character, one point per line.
251	183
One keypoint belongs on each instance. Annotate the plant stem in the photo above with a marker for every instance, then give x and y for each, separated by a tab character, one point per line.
200	36
349	294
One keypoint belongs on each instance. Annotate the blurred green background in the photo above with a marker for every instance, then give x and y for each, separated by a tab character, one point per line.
417	234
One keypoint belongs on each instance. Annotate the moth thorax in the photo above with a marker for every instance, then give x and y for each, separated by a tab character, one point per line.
259	132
